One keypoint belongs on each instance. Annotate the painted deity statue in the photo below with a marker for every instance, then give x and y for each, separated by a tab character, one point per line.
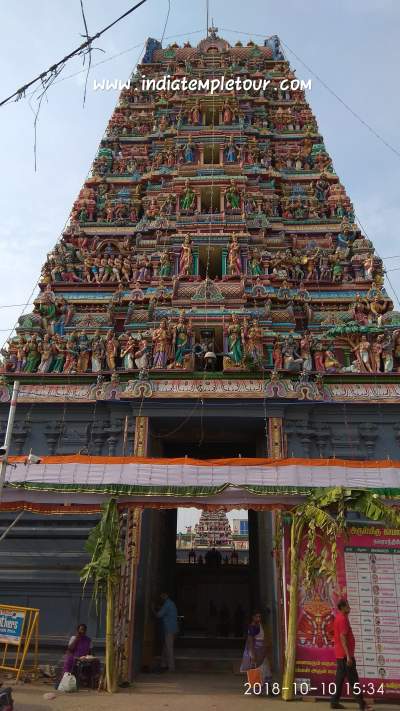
47	306
142	355
33	356
305	352
128	352
59	353
161	345
182	336
230	151
188	196
165	269
188	151
359	310
46	351
255	264
144	273
235	341
227	113
253	341
291	356
97	347
233	196
186	258
20	354
376	353
363	354
331	363
71	354
111	350
234	259
277	357
195	114
387	351
83	345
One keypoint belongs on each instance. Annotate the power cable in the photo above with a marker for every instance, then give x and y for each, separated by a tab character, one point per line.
326	86
58	66
166	21
89	52
115	56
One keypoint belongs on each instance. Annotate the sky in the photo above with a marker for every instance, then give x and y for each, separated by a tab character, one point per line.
352	45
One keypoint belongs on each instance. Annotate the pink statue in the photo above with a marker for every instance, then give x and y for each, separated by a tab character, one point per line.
186	258
234	260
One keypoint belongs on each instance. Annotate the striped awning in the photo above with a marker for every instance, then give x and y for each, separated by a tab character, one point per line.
82	479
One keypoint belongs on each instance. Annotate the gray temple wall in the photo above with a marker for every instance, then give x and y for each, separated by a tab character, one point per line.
312	430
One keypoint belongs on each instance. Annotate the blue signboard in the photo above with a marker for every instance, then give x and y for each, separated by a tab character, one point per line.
11	626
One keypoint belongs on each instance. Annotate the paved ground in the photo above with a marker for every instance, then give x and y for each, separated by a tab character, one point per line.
214	692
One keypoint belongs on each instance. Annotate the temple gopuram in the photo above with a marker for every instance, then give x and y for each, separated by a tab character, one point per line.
211	304
212	241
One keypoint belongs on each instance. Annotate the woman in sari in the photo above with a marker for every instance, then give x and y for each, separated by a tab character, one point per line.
255	651
80	645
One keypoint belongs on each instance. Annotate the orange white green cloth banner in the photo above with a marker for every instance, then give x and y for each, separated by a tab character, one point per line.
81	479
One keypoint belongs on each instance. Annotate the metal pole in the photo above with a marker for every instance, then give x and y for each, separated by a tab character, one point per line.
7	531
9	432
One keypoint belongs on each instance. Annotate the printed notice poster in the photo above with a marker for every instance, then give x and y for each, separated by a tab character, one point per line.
11	625
368	574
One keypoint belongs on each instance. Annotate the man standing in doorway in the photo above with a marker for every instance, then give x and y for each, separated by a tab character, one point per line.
344	652
169	616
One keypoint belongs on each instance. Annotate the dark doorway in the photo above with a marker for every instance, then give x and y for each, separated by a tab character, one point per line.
209	437
210	262
217	587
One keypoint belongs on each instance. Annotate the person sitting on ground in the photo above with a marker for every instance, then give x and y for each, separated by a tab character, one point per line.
79	646
79	660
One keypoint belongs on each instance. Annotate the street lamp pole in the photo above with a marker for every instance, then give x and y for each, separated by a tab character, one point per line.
9	432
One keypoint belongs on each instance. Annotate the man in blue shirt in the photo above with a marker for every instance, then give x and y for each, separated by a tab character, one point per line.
169	616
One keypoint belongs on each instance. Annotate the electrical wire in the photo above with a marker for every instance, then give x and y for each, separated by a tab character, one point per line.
44	76
166	21
113	56
325	85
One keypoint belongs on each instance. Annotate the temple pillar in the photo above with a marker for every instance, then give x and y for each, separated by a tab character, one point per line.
198	197
141	436
131	524
276	438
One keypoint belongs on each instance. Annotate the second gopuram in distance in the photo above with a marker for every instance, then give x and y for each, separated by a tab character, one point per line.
211	279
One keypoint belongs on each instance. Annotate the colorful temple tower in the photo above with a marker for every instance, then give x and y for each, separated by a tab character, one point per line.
211	296
213	530
213	237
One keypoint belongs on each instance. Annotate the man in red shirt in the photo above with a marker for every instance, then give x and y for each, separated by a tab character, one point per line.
344	653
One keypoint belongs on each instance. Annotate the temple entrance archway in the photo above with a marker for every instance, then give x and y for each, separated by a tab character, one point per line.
214	596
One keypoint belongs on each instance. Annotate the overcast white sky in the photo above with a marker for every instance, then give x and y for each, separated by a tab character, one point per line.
352	44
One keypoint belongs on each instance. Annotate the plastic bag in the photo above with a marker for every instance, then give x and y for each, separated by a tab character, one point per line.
67	683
